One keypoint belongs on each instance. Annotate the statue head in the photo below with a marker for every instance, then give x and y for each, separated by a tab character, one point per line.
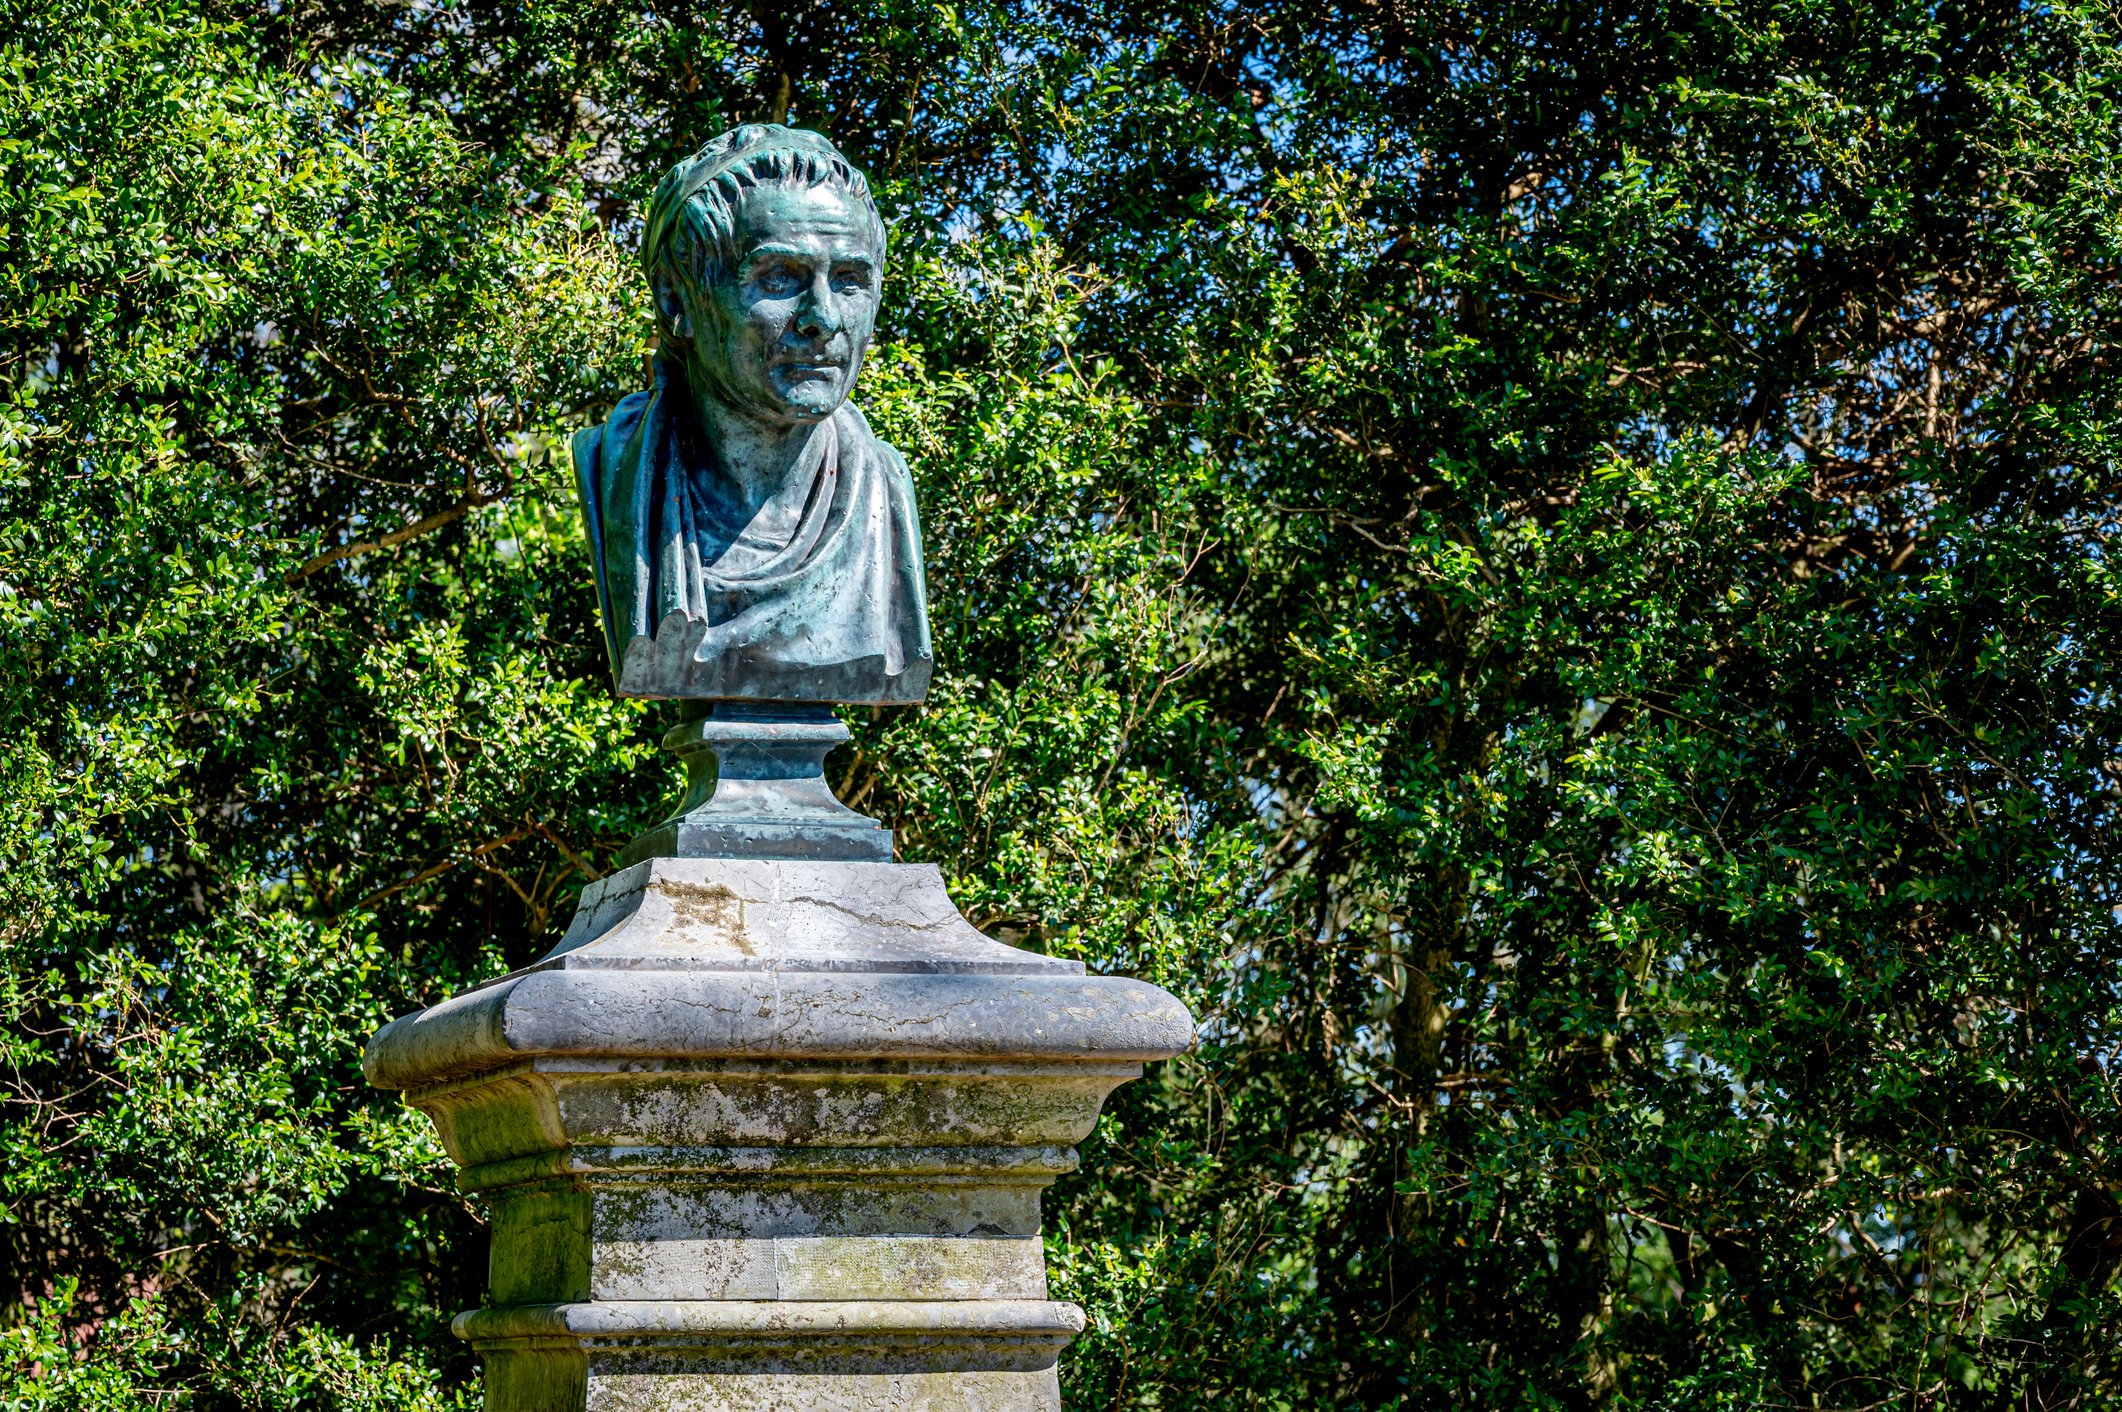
766	255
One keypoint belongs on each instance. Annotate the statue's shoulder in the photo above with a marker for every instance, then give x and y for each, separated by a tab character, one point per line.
885	452
582	446
618	429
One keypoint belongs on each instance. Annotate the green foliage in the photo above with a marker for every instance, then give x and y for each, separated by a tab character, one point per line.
132	1362
1548	567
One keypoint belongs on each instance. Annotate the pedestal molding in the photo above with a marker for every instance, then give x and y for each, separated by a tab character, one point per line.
1037	1165
769	1322
707	1014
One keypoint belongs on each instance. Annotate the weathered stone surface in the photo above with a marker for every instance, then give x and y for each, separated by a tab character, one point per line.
712	1223
701	1234
772	1134
935	1356
671	1103
777	1016
728	914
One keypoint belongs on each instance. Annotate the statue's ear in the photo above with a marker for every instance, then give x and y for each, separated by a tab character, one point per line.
672	321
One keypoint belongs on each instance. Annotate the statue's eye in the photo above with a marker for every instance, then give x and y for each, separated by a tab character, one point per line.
850	281
779	280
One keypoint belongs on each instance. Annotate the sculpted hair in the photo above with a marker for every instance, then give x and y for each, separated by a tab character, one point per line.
692	221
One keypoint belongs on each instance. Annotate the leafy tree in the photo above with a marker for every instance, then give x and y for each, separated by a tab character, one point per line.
1548	567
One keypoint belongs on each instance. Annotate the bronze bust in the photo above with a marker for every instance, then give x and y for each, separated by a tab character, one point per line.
753	538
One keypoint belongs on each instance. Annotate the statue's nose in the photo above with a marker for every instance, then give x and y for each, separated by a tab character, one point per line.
819	317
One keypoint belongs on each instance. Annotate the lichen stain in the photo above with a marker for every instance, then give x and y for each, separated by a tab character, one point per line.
710	907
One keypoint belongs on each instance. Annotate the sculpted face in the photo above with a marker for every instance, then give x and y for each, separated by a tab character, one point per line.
781	337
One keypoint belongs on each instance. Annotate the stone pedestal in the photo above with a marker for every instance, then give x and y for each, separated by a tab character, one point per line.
771	1134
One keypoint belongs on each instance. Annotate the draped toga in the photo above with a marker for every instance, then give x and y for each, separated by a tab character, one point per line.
695	606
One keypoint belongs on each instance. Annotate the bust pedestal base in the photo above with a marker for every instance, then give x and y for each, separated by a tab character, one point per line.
772	1134
755	788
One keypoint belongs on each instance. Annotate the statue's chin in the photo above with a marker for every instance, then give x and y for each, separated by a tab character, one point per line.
811	400
799	396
